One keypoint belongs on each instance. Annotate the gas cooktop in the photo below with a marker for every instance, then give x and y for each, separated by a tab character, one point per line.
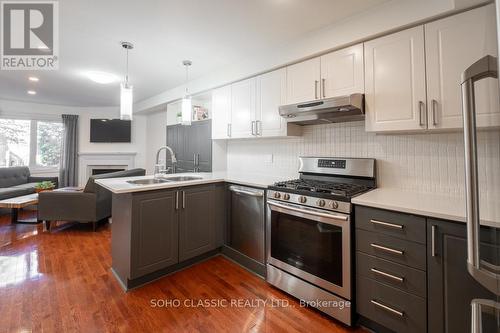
321	188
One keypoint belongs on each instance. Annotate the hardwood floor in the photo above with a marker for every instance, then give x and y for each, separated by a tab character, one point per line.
61	282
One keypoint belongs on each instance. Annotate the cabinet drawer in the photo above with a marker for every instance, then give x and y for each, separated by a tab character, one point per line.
398	276
399	225
390	248
390	307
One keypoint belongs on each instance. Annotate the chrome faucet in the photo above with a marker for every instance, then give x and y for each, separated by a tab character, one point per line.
159	171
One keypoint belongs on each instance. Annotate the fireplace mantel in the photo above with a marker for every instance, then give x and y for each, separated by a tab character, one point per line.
108	160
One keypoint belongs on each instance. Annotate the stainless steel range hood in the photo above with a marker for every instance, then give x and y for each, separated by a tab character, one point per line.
323	111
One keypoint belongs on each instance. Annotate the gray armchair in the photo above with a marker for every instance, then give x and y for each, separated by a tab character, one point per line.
90	204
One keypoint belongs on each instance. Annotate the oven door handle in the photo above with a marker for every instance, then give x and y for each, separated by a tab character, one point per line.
307	211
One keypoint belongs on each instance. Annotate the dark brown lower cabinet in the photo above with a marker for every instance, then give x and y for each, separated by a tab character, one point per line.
155	230
450	286
196	221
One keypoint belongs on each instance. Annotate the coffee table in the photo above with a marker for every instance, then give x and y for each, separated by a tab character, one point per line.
17	203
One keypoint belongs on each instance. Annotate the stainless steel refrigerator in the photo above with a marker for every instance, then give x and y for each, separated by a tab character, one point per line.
483	262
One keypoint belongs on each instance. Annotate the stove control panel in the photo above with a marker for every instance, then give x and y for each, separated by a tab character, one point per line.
333	164
315	202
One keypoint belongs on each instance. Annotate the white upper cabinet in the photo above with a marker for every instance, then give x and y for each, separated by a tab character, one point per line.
334	74
342	72
303	81
271	93
221	113
243	108
452	45
395	82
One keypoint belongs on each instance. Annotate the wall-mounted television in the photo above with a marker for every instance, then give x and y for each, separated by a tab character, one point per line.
110	130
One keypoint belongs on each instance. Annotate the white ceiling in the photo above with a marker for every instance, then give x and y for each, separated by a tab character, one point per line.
210	33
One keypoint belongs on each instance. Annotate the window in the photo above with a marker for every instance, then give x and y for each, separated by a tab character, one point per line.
34	143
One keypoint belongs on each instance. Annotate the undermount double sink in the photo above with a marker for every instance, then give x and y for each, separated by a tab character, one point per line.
163	180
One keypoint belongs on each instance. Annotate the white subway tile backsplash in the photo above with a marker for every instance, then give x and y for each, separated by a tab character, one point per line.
427	162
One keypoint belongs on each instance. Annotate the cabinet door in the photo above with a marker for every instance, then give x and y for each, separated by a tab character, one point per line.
189	136
271	93
450	287
203	145
175	140
302	81
155	232
342	72
243	107
196	223
221	112
395	82
452	45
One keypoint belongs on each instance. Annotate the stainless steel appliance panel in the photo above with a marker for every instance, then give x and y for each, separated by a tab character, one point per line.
246	223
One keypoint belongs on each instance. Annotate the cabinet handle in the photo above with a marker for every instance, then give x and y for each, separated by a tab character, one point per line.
259	127
323	86
421	106
228	130
433	240
434	112
386	249
387	224
253	128
387	308
177	200
183	199
390	276
316	89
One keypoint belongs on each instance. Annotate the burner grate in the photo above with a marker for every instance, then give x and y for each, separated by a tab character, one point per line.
325	187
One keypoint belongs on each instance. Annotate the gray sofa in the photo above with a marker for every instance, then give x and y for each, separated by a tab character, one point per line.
88	205
17	181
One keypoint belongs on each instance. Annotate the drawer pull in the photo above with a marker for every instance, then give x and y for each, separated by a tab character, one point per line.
388	308
387	275
387	224
386	249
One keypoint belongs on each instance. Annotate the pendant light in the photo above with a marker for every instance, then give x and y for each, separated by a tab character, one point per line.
126	90
187	108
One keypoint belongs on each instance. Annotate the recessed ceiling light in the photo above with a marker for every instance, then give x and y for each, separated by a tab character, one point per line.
101	77
33	79
31	92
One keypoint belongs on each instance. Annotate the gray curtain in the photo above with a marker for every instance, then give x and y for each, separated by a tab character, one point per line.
68	169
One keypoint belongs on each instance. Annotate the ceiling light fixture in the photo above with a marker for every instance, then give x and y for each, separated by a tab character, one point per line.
33	79
101	77
31	92
126	90
187	107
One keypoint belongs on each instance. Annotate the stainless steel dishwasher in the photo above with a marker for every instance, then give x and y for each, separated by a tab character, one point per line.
246	222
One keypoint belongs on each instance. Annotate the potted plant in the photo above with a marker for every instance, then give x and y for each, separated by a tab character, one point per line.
179	117
44	186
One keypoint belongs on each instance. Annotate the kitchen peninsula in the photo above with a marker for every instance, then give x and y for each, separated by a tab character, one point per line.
162	225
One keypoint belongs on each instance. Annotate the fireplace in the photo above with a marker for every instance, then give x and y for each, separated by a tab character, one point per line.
101	171
97	163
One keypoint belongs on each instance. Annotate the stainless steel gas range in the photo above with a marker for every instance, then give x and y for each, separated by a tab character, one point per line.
309	232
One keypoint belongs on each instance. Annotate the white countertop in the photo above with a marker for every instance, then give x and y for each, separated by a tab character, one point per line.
428	204
121	185
425	204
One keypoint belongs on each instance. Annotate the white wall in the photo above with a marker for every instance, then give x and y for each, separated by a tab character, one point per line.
14	109
419	162
156	136
387	17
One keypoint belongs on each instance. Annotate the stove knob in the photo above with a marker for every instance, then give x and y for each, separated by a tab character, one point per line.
334	204
286	196
302	199
277	195
321	203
